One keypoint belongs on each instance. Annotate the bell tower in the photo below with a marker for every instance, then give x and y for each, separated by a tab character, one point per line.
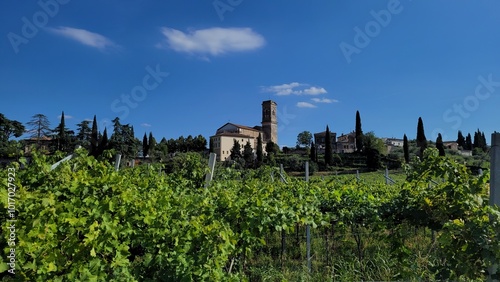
269	122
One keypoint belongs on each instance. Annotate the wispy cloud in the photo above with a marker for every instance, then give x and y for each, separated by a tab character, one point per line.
305	105
294	88
145	125
315	91
213	41
324	100
85	37
283	89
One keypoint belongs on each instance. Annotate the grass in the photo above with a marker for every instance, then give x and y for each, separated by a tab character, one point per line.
371	177
335	256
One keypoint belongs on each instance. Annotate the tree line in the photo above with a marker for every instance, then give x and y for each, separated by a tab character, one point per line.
122	140
246	157
371	147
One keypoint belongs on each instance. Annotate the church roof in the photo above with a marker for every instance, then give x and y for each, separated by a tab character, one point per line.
239	126
230	134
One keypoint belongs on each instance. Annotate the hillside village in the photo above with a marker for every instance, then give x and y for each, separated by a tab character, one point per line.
247	145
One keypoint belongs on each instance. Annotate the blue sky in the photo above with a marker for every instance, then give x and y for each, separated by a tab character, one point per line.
187	67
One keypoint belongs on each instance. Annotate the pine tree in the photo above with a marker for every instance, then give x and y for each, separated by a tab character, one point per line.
145	145
440	145
406	149
421	139
328	147
260	154
94	138
39	126
83	135
359	133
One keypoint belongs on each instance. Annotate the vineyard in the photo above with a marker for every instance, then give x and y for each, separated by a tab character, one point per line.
85	221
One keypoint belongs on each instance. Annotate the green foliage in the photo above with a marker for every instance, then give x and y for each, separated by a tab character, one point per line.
235	150
304	139
9	128
84	221
442	195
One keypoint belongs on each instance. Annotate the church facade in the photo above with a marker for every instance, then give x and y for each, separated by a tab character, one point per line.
223	140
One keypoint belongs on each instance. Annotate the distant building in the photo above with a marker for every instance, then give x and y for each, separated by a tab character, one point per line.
43	144
393	142
452	145
346	143
223	140
390	143
320	140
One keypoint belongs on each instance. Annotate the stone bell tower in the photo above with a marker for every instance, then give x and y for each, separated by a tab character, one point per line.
269	121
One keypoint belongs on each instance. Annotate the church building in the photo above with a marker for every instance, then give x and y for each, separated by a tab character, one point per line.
223	140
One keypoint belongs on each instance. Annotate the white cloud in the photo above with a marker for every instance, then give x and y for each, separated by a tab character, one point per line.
324	100
305	105
294	88
145	125
85	37
284	89
214	41
315	91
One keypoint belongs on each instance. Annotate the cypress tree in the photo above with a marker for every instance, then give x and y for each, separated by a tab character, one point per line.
468	142
103	144
483	141
359	133
421	139
248	154
260	154
477	136
145	146
328	147
151	144
440	145
461	140
211	146
93	138
313	154
406	149
61	134
236	150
